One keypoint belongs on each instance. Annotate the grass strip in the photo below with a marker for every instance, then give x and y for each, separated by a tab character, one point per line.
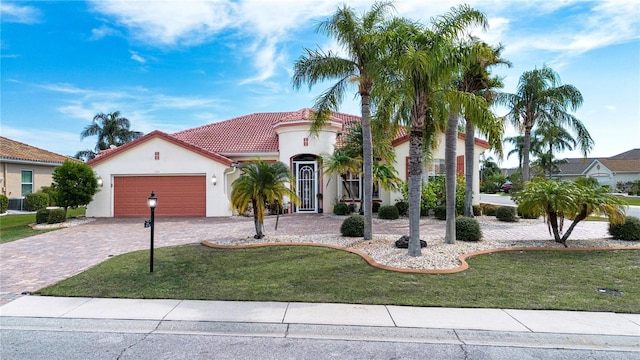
16	226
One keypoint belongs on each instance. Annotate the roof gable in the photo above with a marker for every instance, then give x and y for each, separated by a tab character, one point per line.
107	154
12	150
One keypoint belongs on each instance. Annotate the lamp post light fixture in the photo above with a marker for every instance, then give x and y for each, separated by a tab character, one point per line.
152	201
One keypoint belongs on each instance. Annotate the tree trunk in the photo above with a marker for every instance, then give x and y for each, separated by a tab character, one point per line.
256	220
367	164
416	135
526	147
451	139
469	162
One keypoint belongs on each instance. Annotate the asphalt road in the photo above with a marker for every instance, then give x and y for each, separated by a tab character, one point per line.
101	339
506	200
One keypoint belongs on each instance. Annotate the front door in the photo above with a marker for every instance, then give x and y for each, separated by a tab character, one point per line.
307	186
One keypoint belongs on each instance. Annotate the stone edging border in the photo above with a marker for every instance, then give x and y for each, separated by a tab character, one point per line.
464	265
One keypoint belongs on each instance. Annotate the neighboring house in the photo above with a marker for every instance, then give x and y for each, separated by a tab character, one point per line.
25	169
191	171
608	171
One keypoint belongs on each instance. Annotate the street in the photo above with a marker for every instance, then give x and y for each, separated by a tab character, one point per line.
38	338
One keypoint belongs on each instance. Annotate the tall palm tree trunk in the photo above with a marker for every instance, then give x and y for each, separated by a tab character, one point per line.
469	162
416	135
526	148
450	175
367	164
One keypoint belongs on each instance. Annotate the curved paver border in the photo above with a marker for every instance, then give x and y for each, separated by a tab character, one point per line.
464	265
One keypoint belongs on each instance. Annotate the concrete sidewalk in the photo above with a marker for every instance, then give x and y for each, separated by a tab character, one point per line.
502	327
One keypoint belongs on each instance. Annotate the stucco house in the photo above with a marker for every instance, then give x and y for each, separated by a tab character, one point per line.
191	171
25	169
608	171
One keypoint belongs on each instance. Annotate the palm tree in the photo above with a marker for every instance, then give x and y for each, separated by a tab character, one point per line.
539	98
560	200
111	129
358	37
261	183
426	62
477	79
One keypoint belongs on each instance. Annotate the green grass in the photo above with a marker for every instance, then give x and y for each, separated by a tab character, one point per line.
522	280
635	201
16	227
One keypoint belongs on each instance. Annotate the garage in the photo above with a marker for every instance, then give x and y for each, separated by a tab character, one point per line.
177	195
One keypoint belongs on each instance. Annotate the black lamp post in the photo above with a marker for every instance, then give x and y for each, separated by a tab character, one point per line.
152	201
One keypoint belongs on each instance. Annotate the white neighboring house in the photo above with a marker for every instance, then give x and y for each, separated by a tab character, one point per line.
608	171
191	171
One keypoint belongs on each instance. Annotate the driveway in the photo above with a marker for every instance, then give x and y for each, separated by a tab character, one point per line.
38	261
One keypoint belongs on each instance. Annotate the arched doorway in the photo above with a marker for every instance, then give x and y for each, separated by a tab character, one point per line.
307	175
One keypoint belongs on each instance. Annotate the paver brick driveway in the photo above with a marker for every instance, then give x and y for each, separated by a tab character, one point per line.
34	262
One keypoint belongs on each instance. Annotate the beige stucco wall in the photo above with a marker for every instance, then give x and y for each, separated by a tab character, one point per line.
173	160
12	177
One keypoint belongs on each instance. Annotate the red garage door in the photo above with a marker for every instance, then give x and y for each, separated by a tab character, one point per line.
177	195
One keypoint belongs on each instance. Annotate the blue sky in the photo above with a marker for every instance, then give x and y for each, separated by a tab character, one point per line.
173	65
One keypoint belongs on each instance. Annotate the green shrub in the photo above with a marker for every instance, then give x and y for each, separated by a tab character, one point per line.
36	201
477	210
353	226
403	207
4	204
341	209
440	212
50	190
42	216
375	207
467	229
527	214
388	212
629	230
506	214
56	216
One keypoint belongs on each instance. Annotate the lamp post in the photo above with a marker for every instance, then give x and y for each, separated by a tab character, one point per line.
152	201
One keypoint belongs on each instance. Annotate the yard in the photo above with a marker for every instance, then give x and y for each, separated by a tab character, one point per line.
567	280
16	226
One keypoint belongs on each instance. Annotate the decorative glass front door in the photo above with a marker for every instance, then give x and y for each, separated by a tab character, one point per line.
306	185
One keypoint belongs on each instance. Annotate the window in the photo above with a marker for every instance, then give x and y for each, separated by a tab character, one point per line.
352	187
434	168
27	182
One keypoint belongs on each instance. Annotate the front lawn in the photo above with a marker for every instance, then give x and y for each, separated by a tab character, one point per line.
565	280
15	227
634	201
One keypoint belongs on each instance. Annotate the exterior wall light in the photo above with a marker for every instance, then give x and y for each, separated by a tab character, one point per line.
99	179
214	180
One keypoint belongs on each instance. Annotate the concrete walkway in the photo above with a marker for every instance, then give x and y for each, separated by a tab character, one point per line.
502	327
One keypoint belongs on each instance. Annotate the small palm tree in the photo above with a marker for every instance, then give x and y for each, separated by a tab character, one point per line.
565	199
261	183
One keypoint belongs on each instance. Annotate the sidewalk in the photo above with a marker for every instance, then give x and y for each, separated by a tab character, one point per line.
502	327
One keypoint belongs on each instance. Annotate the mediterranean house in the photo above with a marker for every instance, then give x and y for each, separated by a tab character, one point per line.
191	171
25	169
609	171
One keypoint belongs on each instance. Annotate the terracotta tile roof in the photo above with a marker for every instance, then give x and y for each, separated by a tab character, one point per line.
17	151
251	133
106	154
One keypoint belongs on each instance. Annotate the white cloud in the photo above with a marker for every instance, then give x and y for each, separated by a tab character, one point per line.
103	31
136	57
19	14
